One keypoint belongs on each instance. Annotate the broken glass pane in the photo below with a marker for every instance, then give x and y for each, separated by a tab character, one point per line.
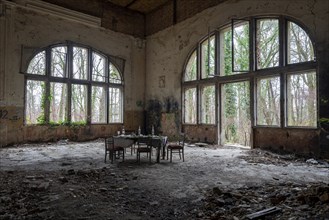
58	102
58	61
115	104
190	106
267	45
98	71
268	101
38	64
300	48
191	68
208	105
208	57
35	102
114	74
79	103
241	47
302	99
80	63
98	104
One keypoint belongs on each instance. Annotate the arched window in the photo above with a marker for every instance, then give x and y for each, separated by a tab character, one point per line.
270	58
72	84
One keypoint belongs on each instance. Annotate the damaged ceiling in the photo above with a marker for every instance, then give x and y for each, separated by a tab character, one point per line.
142	6
95	7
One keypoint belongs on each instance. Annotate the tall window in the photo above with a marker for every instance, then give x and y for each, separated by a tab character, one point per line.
80	86
190	110
301	99
268	101
283	96
208	101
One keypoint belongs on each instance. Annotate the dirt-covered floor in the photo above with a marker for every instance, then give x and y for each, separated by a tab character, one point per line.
68	180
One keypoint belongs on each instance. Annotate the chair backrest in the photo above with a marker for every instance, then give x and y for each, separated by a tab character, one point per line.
109	143
144	141
182	137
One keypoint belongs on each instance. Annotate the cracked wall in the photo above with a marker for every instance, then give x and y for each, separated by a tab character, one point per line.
21	27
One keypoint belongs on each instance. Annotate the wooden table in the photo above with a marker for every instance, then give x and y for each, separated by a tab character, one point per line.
158	142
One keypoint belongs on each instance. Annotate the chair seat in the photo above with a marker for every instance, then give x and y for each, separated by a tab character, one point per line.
144	149
175	147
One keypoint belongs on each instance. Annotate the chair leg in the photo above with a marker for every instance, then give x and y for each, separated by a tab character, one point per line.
105	156
170	155
167	153
183	154
180	157
111	155
123	156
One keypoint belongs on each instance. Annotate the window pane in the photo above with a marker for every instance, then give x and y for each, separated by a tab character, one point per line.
301	99
191	68
114	74
80	63
235	118
190	108
98	72
268	101
79	103
35	97
225	55
38	64
300	48
58	102
98	104
58	61
115	104
208	57
208	105
241	46
267	43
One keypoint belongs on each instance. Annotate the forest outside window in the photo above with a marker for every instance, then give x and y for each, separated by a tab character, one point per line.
268	101
76	88
208	99
190	104
264	52
301	99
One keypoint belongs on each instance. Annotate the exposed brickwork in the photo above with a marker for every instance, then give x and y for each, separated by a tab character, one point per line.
94	8
123	20
299	141
188	8
160	19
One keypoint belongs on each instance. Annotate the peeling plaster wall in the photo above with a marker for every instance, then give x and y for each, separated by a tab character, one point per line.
19	27
167	51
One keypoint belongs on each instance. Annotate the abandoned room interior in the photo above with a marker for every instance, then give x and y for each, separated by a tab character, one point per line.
164	109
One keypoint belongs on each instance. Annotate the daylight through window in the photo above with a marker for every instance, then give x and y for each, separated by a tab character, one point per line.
255	62
73	90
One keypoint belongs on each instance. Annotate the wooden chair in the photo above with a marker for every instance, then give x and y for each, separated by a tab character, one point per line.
144	146
114	152
177	147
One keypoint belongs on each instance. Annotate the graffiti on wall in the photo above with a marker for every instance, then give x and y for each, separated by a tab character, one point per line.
11	114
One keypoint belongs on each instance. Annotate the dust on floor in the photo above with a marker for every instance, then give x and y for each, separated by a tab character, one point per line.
68	180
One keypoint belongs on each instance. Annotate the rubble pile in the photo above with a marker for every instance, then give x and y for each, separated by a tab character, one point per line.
290	200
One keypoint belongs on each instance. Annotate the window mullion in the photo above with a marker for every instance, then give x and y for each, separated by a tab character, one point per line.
69	75
282	42
89	69
47	84
107	81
